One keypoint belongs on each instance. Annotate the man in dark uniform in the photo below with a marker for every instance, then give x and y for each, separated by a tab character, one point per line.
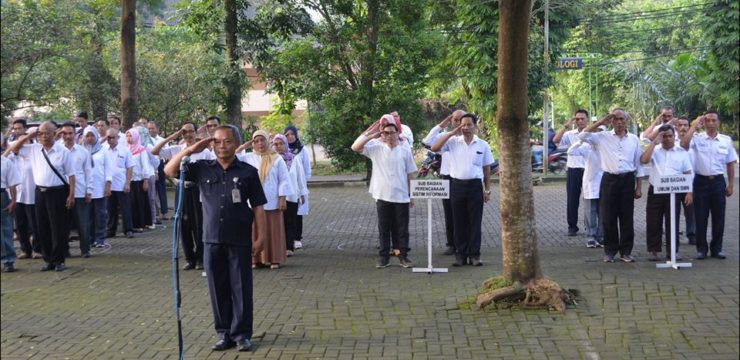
229	188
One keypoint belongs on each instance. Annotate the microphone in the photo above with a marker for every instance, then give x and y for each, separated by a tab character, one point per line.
184	162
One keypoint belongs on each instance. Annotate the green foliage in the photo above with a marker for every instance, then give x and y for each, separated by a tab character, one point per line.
275	123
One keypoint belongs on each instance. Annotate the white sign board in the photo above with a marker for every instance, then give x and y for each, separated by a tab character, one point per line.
671	184
430	189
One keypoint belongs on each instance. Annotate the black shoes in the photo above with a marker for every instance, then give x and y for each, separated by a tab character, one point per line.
129	234
244	345
48	267
223	344
383	262
198	266
459	261
701	256
405	262
720	255
60	267
475	261
8	268
188	266
572	232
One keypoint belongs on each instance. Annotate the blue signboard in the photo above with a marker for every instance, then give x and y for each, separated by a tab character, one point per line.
572	63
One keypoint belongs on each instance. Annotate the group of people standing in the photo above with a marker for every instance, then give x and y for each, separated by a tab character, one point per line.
606	166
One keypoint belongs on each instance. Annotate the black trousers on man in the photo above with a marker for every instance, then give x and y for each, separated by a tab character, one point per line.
191	227
657	213
25	225
52	220
229	276
393	223
616	207
709	198
122	200
573	186
290	219
466	197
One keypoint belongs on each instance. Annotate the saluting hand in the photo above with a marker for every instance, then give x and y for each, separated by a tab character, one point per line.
446	122
199	146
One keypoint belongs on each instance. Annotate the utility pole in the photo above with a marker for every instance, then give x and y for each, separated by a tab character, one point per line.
545	112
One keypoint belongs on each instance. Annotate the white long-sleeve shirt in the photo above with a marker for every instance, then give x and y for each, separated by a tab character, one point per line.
82	170
592	172
276	182
618	155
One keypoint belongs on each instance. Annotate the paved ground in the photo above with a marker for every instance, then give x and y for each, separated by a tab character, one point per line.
330	302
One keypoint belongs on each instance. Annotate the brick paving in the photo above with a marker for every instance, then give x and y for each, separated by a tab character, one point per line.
329	301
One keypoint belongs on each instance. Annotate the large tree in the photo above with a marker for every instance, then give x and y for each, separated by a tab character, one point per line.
129	91
518	235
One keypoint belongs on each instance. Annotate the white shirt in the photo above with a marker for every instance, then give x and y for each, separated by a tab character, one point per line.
26	192
429	140
102	172
389	181
121	157
9	174
569	138
675	161
467	160
406	132
618	154
297	179
711	155
142	166
302	157
43	175
276	182
592	172
82	170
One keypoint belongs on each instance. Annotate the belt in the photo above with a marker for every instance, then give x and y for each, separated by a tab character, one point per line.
620	175
710	177
467	182
2	189
188	184
445	177
50	188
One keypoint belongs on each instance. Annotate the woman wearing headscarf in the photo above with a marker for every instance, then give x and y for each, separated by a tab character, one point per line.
102	176
142	170
300	191
273	174
300	155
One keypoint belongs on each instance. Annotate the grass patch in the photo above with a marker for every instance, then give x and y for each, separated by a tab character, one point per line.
325	168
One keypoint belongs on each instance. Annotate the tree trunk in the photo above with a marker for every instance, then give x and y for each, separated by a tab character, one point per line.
129	91
98	74
518	236
234	72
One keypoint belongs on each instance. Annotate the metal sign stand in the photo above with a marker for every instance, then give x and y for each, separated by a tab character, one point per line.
673	184
421	189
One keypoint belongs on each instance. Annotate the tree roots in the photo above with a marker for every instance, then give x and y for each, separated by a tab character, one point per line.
535	294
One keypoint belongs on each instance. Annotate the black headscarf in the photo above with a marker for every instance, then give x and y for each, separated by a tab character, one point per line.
297	145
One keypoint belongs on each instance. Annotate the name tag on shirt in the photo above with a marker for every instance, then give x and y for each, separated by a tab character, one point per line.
236	196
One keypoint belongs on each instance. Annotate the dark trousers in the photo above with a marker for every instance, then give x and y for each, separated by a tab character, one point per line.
616	207
690	218
709	198
191	227
449	221
81	215
229	276
161	188
393	223
573	186
52	220
466	198
98	220
299	228
119	200
141	212
25	226
290	219
657	213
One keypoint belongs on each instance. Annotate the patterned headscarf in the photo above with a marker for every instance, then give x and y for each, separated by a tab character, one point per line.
268	157
287	155
297	145
135	146
389	119
146	139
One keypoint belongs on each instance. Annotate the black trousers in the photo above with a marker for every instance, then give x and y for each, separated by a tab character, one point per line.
141	211
25	226
119	200
229	276
657	213
466	198
709	198
573	186
449	221
616	207
290	219
191	227
393	223
52	220
299	228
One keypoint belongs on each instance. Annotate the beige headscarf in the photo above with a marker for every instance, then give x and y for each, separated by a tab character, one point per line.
268	157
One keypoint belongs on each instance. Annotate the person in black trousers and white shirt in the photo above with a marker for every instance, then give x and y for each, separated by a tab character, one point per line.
51	164
620	159
576	166
469	188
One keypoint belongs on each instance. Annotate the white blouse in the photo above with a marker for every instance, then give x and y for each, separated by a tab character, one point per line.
276	182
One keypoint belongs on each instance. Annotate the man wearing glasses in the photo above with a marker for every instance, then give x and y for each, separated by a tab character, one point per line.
123	171
51	164
192	221
393	168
